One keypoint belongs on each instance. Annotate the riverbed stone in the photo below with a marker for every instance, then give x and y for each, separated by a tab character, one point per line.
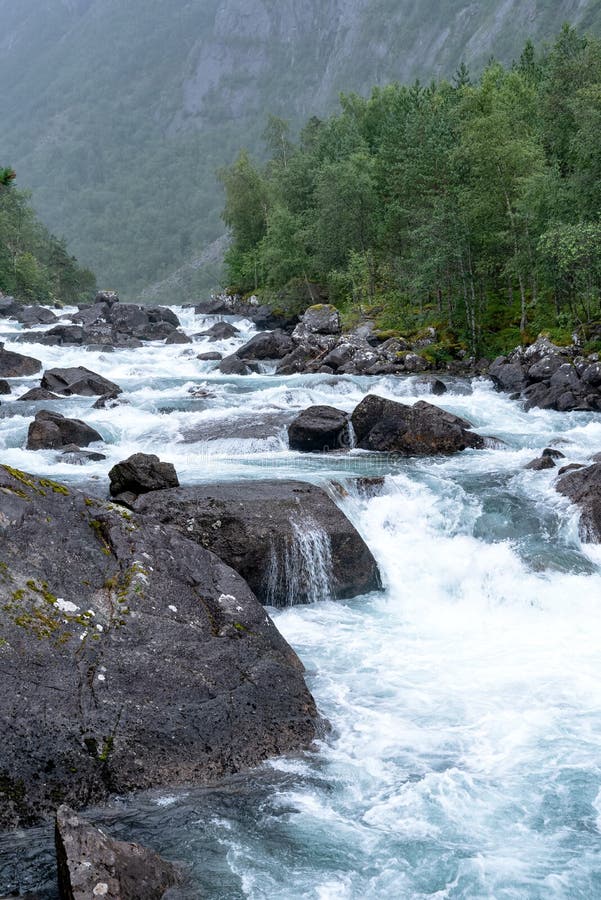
15	365
140	474
51	430
78	380
583	487
319	429
131	657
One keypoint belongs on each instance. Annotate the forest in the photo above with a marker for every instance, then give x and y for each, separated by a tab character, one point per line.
473	205
35	266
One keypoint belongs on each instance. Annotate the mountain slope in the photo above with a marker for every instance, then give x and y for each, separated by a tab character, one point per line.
118	114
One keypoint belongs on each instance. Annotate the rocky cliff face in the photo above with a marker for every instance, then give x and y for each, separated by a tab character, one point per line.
112	97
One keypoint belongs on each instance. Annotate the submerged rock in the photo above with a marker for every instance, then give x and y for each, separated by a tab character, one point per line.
540	464
15	365
131	657
140	474
36	394
91	864
418	430
287	539
583	487
78	380
319	429
51	430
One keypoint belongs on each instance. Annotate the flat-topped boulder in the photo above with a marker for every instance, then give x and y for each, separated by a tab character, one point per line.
583	487
91	864
78	380
140	474
419	430
131	657
319	429
287	539
51	430
15	365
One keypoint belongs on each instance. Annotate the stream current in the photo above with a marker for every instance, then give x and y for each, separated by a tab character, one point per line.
464	756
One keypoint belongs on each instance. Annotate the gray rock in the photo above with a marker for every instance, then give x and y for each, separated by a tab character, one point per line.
34	315
108	297
78	380
91	864
14	365
5	388
232	365
131	657
267	345
508	375
583	487
272	533
178	337
75	456
141	473
538	465
320	319
50	430
320	429
412	362
36	394
221	331
213	356
418	430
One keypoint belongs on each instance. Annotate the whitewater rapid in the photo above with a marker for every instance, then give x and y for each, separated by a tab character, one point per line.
463	758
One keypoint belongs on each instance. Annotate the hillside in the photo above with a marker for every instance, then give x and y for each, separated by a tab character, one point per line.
118	114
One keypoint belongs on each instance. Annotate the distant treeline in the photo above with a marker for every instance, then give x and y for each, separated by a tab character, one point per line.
34	265
472	205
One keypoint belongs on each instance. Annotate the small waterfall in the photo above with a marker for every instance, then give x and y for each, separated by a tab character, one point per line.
300	567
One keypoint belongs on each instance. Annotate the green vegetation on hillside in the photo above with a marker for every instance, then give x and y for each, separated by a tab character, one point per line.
472	206
34	265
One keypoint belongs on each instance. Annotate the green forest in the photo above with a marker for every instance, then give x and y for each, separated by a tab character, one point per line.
472	204
35	266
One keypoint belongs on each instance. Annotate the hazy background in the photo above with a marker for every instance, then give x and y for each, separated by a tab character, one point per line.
117	113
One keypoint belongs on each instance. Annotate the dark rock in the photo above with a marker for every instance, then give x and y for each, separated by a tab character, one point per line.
91	864
591	376
178	337
34	315
572	467
5	388
131	657
128	316
8	306
213	356
141	473
78	380
221	331
279	535
418	430
108	297
76	456
295	362
545	368
109	401
543	462
552	453
55	337
154	331
36	394
162	314
319	429
437	387
508	375
14	365
50	430
584	488
267	345
232	365
412	363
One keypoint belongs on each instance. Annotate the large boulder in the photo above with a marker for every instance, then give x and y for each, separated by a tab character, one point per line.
91	864
267	345
140	474
319	319
131	657
319	429
287	539
418	430
583	487
220	331
108	297
78	380
8	306
34	315
50	430
14	365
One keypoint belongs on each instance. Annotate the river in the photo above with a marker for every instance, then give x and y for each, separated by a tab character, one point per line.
464	755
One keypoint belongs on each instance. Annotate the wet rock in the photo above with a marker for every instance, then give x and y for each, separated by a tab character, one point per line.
5	388
572	467
178	337
36	394
320	429
221	331
543	462
78	380
437	387
8	306
109	401
278	535
141	473
34	315
267	345
14	365
51	430
60	335
91	864
508	375
213	356
552	453
155	660
232	365
419	430
414	363
74	455
583	487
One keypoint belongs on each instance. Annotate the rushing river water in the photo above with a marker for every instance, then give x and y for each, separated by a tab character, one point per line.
464	758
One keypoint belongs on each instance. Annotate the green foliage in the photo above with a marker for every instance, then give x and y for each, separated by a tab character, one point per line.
474	206
34	265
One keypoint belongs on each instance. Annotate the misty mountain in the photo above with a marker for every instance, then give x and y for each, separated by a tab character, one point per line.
118	114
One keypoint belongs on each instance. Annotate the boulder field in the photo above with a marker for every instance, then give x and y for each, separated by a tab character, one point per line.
131	657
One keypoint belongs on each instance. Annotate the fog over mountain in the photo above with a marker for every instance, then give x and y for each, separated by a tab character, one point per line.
117	114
